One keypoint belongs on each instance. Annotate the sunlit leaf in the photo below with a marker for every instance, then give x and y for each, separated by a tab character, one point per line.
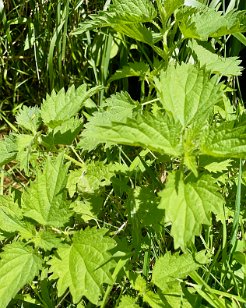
84	266
188	93
227	66
18	266
188	205
45	199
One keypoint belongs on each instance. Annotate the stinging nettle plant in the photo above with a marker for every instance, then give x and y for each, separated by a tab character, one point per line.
58	231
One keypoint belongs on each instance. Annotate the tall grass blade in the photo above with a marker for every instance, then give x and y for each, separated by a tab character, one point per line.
237	211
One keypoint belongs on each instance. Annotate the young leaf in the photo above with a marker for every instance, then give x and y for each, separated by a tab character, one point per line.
127	301
84	266
45	199
189	204
218	65
188	93
29	118
169	268
8	149
226	140
18	266
170	6
60	107
158	134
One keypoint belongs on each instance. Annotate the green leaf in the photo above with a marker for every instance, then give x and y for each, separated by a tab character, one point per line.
158	134
100	20
8	149
64	133
24	146
139	69
142	205
60	107
188	93
176	296
46	240
136	31
125	17
134	11
92	176
29	118
10	215
215	166
89	208
84	266
218	65
169	268
118	107
18	266
45	199
127	301
188	204
204	23
170	6
140	285
226	140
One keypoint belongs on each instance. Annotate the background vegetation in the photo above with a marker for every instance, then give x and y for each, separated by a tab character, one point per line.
81	101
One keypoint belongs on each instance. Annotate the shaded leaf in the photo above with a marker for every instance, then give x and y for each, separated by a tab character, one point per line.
149	297
142	205
89	208
136	31
132	69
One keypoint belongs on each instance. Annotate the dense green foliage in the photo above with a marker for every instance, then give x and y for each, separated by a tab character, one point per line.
125	186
